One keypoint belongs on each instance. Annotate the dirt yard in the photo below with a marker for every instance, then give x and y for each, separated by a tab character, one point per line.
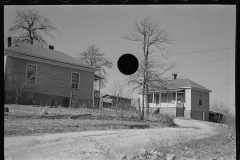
29	136
102	144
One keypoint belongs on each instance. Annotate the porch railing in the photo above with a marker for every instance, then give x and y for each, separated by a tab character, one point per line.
170	104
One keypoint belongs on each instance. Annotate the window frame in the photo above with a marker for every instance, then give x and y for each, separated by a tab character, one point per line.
200	99
150	97
26	78
179	96
72	80
169	95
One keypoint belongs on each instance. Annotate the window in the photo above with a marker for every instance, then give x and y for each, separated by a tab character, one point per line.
199	99
31	73
150	98
179	98
157	99
75	80
170	97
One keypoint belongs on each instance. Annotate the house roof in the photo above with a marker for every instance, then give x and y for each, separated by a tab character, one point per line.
178	85
40	52
214	112
185	83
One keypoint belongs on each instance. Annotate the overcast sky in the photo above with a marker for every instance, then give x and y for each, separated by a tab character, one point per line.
208	28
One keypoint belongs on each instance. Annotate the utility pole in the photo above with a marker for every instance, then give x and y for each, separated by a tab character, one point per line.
100	107
93	92
116	104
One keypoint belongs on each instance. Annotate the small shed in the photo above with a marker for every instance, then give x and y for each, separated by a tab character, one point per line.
111	100
216	117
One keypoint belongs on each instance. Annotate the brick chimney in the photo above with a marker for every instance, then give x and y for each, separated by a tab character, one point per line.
51	47
174	76
9	41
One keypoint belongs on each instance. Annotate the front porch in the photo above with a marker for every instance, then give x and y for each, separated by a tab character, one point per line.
175	98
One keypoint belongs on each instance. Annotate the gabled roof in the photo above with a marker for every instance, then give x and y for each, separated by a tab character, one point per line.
40	52
185	83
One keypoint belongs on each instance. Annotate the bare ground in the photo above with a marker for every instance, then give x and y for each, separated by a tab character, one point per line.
102	144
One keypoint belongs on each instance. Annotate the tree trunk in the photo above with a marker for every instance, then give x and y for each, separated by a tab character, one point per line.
146	99
17	99
142	117
139	109
146	87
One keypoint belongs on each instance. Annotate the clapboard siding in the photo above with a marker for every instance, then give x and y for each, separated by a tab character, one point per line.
205	101
51	79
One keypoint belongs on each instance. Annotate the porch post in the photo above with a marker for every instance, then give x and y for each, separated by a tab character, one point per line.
176	98
167	99
153	100
160	98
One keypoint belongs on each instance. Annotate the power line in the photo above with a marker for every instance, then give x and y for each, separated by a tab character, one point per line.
176	54
201	51
204	62
222	85
116	74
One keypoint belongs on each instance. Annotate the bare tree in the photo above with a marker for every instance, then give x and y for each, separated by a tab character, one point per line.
221	108
117	90
93	57
30	27
150	36
156	79
23	80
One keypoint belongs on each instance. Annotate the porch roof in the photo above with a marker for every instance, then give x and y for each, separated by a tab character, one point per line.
168	91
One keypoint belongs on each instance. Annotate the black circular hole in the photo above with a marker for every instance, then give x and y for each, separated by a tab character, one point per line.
127	64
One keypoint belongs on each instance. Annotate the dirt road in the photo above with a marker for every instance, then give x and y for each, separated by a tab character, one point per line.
100	145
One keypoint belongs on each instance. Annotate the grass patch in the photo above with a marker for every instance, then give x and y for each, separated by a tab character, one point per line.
165	118
26	120
219	146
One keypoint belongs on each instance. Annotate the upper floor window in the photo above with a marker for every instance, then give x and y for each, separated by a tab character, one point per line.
199	99
75	80
31	73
